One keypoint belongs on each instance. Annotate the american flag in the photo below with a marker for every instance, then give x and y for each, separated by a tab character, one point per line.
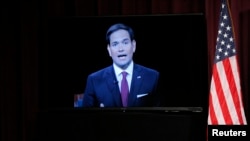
225	97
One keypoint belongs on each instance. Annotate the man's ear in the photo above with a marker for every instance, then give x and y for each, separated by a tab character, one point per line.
108	48
134	45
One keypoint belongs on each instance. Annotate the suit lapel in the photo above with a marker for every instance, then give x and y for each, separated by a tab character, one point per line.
135	85
113	87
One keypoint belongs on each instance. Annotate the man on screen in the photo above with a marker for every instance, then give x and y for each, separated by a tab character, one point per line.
124	83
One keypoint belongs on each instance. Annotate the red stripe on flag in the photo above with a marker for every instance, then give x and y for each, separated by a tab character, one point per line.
212	114
233	87
218	80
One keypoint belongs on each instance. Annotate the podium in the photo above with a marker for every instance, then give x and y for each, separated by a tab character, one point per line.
120	124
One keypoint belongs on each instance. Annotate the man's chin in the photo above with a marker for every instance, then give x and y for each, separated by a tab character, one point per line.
123	65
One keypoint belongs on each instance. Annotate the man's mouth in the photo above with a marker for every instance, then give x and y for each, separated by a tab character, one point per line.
122	56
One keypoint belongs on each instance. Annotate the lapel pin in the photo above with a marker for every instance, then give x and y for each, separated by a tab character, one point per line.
138	77
101	105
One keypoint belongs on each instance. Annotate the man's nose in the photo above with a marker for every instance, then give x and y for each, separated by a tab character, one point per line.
120	47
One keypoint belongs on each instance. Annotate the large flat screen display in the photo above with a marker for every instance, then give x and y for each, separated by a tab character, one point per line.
174	45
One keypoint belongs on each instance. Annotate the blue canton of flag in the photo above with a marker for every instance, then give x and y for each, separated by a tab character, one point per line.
225	41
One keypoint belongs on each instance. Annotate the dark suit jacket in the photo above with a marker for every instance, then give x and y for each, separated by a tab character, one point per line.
102	88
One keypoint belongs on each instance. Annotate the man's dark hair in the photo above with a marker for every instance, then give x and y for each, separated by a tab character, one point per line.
116	27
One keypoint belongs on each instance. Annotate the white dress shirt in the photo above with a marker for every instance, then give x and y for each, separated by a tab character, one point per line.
118	74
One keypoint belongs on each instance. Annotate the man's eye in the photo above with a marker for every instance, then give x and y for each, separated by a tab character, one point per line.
125	42
114	44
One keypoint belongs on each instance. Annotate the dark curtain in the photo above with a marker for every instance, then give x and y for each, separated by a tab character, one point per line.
23	38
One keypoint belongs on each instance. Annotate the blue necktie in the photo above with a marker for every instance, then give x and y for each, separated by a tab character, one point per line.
124	89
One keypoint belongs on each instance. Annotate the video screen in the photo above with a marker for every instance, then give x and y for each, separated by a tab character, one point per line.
174	45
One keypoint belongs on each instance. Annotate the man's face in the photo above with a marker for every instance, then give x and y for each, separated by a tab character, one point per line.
121	48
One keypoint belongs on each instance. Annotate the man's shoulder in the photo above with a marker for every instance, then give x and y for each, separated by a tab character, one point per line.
101	71
145	69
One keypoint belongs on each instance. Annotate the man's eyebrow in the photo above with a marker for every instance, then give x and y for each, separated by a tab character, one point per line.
126	39
115	42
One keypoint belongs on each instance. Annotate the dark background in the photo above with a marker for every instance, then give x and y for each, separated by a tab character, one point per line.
24	40
175	45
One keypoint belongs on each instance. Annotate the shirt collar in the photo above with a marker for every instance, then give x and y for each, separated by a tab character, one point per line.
118	70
